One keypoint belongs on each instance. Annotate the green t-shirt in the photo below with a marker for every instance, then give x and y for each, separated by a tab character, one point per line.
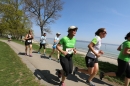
67	43
124	57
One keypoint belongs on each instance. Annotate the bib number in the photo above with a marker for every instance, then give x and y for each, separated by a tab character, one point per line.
29	40
69	50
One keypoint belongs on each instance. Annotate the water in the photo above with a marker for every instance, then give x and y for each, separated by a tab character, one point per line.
110	50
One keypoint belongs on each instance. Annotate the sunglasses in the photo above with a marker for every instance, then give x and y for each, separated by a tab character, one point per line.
104	32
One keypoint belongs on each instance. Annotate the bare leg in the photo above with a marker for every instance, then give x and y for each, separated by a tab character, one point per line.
26	48
87	71
30	51
52	52
44	51
58	55
95	70
63	76
127	81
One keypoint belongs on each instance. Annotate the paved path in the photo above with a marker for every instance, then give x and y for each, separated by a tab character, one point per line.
45	69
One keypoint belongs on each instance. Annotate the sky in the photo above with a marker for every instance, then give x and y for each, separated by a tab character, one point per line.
89	16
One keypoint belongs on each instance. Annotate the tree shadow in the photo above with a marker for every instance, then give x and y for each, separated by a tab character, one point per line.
46	76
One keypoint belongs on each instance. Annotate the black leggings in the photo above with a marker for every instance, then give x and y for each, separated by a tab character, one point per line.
67	63
123	67
44	46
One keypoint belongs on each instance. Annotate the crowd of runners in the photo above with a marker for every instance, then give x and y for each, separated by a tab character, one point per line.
65	54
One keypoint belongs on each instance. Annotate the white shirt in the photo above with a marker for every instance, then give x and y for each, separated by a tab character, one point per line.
97	41
57	40
43	39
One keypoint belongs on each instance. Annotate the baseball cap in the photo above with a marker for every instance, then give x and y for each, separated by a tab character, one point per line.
72	27
58	33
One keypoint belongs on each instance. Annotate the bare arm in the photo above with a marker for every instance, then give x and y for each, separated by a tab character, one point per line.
126	51
26	37
90	46
119	48
59	48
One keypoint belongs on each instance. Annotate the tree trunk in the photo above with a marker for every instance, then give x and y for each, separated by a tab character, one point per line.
41	30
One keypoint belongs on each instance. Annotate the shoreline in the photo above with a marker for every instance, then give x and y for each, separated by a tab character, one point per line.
102	58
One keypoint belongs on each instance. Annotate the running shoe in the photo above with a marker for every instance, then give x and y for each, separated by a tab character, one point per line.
25	54
101	75
30	55
49	57
62	84
90	83
75	70
38	52
58	61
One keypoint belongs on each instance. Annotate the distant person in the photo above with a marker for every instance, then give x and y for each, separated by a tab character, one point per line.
28	43
92	56
68	44
43	44
123	62
56	40
9	38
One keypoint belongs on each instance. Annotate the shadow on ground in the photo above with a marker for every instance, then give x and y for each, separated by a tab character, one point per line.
46	57
47	76
34	52
21	53
95	80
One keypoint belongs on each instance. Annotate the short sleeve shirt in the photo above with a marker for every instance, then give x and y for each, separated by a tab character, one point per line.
97	41
67	43
124	57
43	40
57	40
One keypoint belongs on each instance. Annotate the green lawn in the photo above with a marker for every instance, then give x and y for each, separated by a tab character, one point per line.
12	70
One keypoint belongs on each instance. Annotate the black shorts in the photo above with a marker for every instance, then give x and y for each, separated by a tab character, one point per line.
27	43
90	61
42	45
123	67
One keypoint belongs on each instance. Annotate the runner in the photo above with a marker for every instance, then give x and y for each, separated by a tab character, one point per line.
123	62
56	40
28	43
9	38
92	56
43	44
68	43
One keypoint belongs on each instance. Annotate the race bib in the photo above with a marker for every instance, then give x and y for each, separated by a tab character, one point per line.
29	40
69	50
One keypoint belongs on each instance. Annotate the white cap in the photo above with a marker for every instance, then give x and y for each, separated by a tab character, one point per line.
58	33
72	27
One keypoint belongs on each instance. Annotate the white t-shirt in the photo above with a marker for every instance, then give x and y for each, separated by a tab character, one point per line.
43	39
97	41
57	40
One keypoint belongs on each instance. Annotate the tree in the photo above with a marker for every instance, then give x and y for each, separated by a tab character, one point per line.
44	12
13	20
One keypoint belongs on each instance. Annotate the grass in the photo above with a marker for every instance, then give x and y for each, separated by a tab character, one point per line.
79	61
12	71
